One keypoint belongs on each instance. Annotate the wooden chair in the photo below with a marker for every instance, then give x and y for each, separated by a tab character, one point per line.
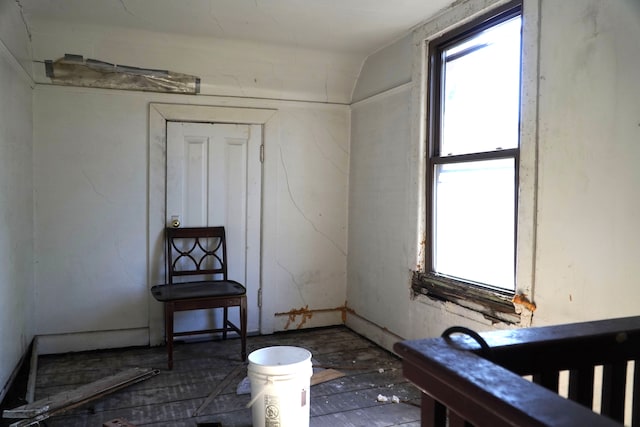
200	253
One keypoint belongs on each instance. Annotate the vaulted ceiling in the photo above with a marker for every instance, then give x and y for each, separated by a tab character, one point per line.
357	26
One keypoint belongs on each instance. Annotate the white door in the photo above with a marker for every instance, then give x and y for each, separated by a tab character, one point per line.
214	178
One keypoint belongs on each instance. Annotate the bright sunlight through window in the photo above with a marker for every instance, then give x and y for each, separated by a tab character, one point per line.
475	155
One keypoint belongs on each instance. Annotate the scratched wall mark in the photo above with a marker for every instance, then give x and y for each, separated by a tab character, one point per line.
299	209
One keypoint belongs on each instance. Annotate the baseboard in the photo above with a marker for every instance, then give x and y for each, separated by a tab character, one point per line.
95	340
376	333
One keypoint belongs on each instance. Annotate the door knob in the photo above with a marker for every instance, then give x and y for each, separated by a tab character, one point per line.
175	221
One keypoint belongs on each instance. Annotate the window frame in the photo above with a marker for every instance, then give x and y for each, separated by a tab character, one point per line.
493	302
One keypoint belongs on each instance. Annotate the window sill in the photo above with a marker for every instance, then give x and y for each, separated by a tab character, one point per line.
494	306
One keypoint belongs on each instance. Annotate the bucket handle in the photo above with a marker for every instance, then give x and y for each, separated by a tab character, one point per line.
269	381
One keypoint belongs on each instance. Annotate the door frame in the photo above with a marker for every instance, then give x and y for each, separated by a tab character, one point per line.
159	114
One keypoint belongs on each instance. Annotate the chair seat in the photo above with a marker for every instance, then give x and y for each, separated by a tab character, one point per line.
201	289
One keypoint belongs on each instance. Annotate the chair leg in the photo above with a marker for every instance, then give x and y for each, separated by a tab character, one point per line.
168	328
243	327
225	321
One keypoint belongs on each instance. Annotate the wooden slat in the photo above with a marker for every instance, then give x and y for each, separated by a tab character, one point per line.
613	390
78	396
581	386
221	386
547	379
635	405
325	375
440	415
456	420
434	414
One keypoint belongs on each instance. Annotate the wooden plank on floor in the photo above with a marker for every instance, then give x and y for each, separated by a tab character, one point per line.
221	386
80	395
325	375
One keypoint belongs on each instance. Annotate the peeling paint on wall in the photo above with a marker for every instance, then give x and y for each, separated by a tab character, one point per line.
74	70
524	308
305	314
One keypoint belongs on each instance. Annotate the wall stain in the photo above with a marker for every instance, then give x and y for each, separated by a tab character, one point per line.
522	301
306	313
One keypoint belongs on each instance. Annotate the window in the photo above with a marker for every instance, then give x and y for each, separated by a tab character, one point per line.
473	130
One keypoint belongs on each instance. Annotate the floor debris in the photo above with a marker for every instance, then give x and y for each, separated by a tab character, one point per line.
382	398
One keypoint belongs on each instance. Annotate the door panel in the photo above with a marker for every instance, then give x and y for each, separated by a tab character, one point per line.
214	178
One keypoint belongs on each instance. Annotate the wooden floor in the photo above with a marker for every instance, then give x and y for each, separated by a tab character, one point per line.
170	398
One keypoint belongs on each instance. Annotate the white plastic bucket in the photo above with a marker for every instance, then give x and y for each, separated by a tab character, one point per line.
280	379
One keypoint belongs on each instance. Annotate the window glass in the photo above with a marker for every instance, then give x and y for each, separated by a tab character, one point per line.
474	221
481	93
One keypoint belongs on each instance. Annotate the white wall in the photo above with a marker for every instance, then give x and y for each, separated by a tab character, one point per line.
588	200
385	69
584	237
382	195
90	184
16	199
379	204
15	35
91	179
